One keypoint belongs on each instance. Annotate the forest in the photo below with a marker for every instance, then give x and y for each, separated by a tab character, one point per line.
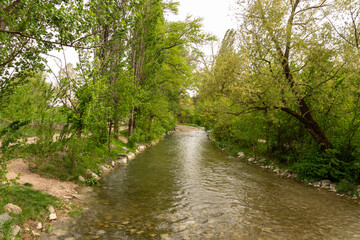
284	85
134	70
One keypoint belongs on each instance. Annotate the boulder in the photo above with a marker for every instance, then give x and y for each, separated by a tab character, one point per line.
15	231
82	179
52	216
276	171
92	175
251	159
241	155
285	174
113	146
51	209
141	148
122	161
39	226
95	176
325	183
11	208
104	169
4	218
130	156
125	149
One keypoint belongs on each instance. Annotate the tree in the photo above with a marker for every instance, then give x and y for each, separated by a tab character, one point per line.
284	62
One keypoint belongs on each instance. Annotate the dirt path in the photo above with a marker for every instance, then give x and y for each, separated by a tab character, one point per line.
63	190
184	128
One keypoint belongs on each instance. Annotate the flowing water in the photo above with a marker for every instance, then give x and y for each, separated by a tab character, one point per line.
186	188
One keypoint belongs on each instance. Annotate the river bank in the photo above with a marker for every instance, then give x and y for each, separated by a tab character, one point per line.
69	192
186	188
341	189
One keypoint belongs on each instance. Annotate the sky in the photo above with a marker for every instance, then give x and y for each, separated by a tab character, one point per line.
216	15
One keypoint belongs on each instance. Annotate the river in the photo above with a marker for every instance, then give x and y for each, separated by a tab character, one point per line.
186	188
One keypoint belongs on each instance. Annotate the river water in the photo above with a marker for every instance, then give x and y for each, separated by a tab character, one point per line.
186	188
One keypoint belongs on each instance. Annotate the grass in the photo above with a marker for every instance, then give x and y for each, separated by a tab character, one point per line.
32	202
70	160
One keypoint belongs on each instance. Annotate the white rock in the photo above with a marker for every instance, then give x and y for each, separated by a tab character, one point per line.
241	155
125	149
104	169
95	176
122	161
251	159
52	216
141	148
332	187
130	156
11	208
82	179
285	174
325	183
51	209
15	231
39	226
4	218
276	171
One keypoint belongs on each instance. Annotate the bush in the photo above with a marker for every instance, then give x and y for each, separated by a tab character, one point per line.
347	187
314	165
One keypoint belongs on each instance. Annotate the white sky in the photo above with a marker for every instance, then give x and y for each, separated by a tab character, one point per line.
216	15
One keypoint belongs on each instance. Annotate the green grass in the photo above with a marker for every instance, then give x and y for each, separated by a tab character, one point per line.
70	160
32	202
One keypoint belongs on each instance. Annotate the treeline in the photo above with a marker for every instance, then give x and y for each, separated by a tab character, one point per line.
134	67
286	85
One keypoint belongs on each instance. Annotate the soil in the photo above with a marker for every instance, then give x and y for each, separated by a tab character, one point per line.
184	128
63	190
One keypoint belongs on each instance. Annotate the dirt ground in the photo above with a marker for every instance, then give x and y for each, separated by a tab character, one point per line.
183	128
63	190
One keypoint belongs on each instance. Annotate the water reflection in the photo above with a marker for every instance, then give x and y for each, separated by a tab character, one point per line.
186	188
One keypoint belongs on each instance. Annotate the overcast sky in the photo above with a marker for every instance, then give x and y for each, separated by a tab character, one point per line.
216	15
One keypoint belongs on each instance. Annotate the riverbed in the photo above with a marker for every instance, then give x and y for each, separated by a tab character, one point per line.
186	188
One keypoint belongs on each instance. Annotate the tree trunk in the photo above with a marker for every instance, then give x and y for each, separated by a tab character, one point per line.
131	122
79	131
310	124
116	125
109	138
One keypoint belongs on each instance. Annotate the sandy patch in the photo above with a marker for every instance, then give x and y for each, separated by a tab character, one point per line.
183	128
63	190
